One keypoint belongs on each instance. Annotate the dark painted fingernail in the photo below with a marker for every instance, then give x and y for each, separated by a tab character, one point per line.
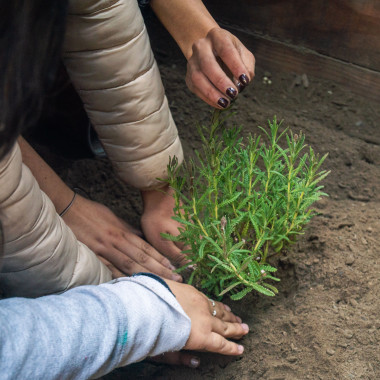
244	79
231	92
240	87
223	102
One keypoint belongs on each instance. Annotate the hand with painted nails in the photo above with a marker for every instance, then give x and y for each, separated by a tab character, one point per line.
219	68
212	323
115	242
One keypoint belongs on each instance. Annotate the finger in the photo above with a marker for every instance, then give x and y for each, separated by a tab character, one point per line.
204	89
115	272
217	343
229	330
177	358
224	314
174	253
249	61
139	255
172	250
154	253
238	319
230	51
211	68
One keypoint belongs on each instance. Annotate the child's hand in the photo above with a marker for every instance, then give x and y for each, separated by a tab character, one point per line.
115	242
208	332
158	211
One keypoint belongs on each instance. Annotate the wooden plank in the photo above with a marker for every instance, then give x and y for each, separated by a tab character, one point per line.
272	55
348	30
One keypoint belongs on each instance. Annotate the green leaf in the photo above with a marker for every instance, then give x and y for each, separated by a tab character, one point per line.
241	294
229	288
220	263
170	237
263	290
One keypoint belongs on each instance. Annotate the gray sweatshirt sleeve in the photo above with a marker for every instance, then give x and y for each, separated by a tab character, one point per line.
90	330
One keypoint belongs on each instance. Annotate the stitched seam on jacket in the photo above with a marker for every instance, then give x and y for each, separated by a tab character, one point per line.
31	230
116	4
133	38
73	271
137	76
134	121
39	263
151	156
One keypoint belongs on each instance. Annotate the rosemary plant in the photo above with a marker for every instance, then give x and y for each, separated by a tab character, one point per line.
241	202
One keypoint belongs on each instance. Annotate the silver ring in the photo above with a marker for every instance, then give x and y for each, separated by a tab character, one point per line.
213	305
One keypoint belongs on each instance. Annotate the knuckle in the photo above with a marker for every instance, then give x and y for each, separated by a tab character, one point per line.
142	257
221	344
197	45
195	77
220	82
209	94
226	50
128	264
145	247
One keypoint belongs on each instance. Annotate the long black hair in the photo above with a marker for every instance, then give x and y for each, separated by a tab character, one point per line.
31	38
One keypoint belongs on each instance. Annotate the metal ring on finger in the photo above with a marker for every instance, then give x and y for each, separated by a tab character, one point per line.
213	305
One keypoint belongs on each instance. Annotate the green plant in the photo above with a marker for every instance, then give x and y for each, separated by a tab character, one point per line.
241	202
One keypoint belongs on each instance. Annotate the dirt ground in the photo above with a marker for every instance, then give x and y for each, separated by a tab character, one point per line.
324	323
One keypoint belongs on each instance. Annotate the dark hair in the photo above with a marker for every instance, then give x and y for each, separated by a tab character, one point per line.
31	38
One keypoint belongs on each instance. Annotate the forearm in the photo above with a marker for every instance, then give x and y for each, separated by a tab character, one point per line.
48	181
187	21
88	331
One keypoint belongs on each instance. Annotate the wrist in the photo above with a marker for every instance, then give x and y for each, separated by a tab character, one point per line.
187	21
155	198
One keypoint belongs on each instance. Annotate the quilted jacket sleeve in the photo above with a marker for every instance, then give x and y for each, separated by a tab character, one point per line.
41	254
109	59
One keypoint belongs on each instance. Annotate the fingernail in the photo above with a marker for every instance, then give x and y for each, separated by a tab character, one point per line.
245	327
223	102
240	86
227	307
239	319
194	362
176	277
172	267
240	349
244	79
231	92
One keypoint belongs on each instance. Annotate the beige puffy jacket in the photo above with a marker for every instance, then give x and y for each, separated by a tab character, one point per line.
108	57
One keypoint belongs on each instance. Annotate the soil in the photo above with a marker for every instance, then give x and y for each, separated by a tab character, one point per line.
324	323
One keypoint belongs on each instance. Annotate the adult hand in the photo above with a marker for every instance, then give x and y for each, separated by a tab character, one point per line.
220	65
157	218
208	332
115	242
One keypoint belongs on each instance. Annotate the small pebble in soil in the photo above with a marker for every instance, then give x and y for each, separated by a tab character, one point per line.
350	259
330	351
292	359
353	302
348	334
